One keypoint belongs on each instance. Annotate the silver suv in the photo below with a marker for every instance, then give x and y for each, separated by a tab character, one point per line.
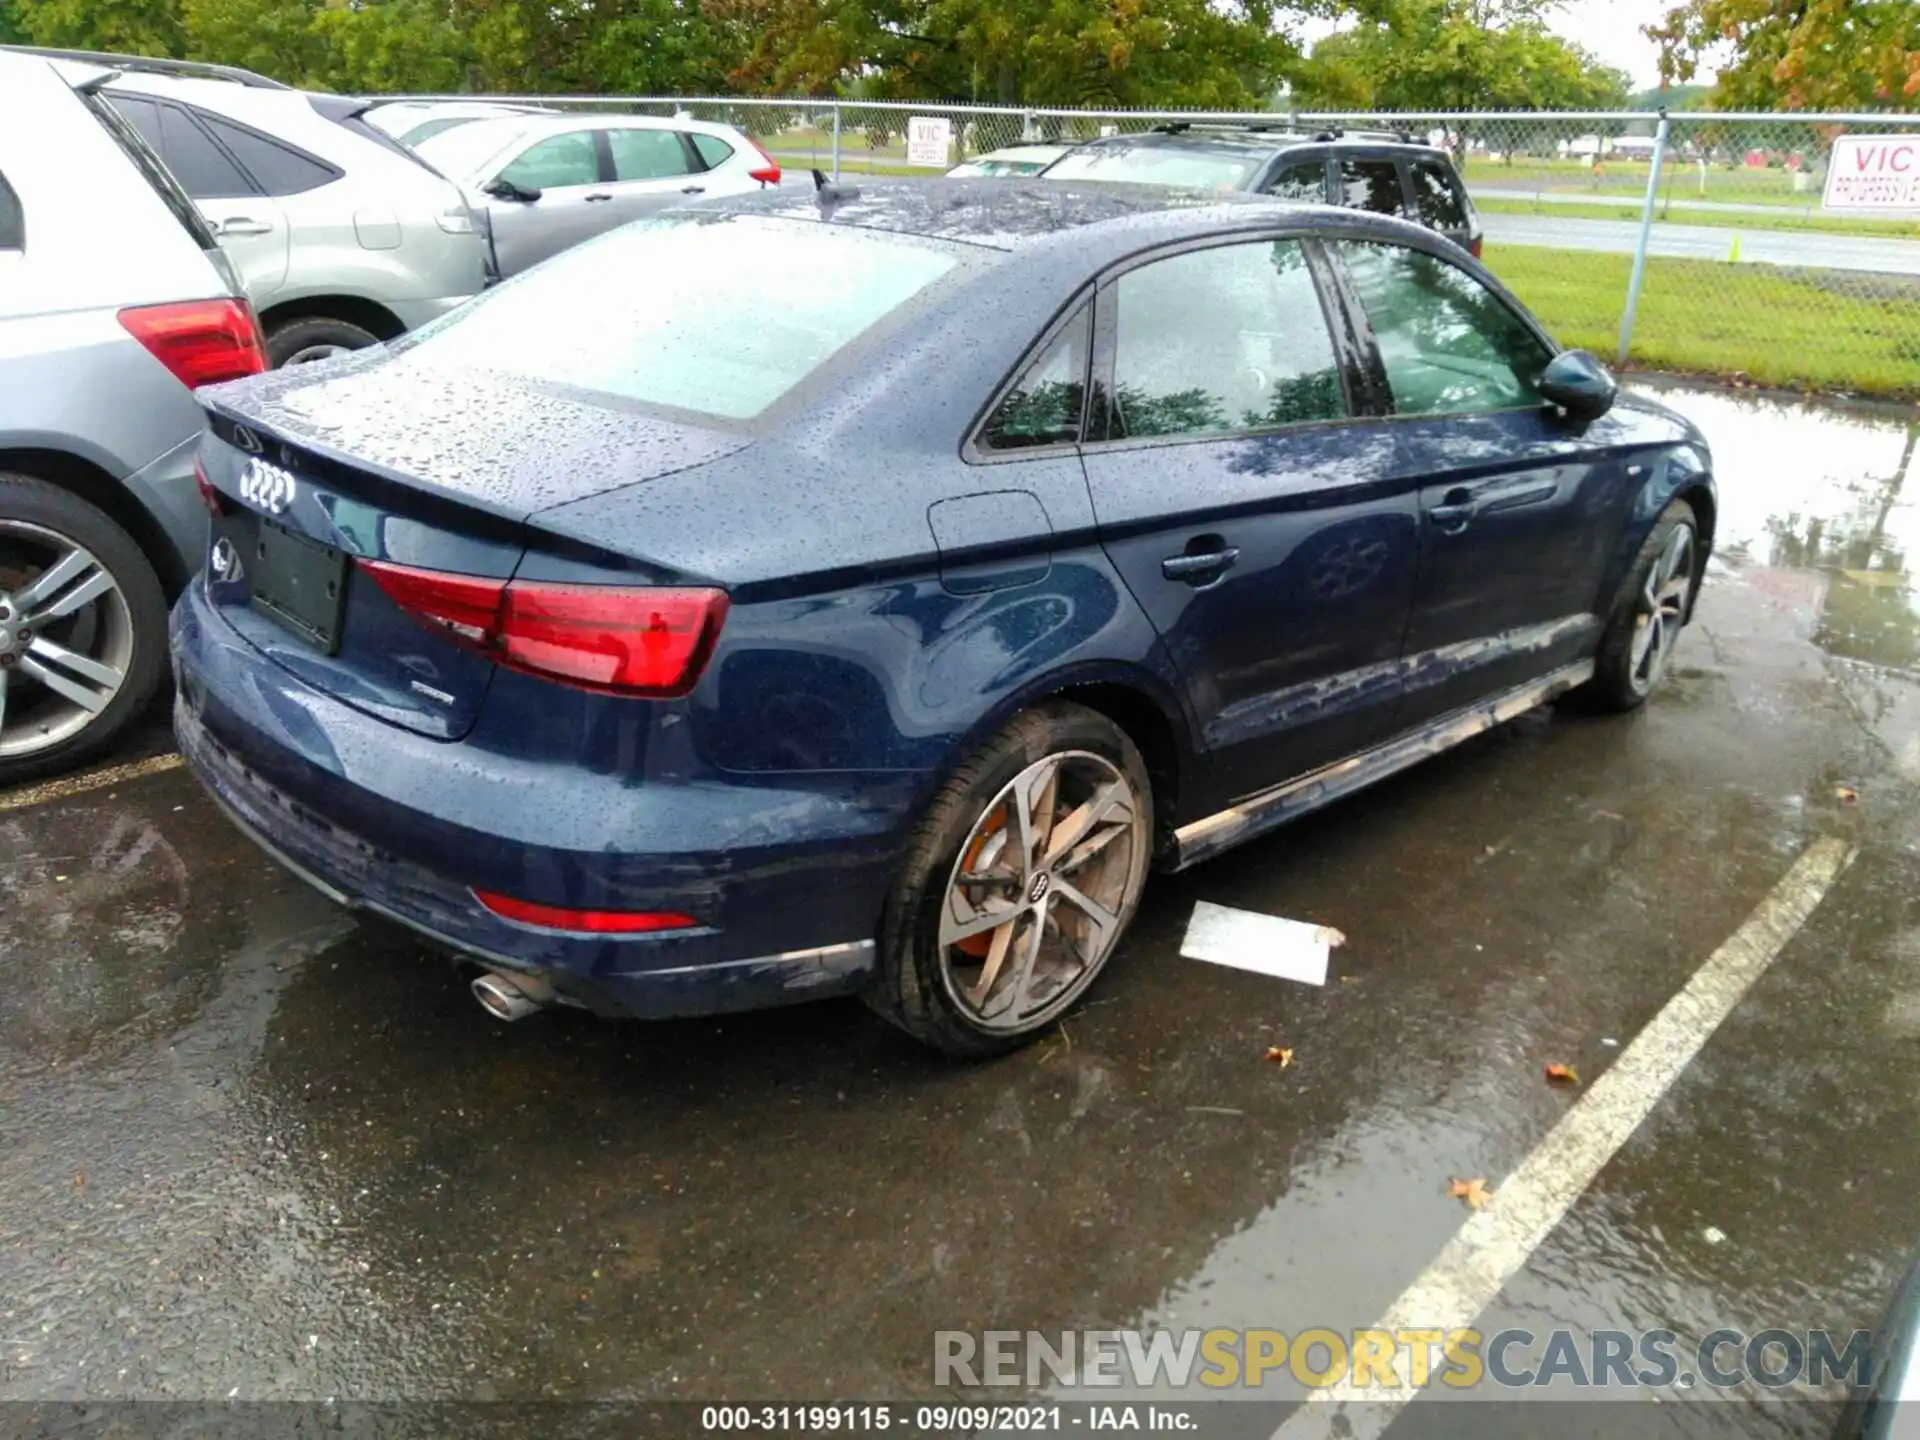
115	301
341	235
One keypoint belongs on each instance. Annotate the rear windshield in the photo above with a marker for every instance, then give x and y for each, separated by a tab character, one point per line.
463	149
427	129
1159	165
719	314
157	175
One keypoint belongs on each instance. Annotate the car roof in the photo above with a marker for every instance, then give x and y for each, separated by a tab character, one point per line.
1099	221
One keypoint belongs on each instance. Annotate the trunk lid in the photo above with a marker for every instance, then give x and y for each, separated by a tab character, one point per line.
435	471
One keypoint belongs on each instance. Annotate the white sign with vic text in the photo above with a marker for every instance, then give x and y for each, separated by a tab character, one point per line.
1874	172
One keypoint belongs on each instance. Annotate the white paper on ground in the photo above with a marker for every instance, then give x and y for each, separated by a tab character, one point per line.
1264	944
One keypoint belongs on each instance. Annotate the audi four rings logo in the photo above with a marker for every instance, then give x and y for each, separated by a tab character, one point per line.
267	486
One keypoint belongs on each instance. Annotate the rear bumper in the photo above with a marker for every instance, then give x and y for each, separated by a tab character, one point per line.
376	817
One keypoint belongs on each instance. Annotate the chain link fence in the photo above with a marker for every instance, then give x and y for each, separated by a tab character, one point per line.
1701	244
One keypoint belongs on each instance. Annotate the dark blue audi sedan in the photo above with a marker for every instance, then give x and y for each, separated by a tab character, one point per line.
826	593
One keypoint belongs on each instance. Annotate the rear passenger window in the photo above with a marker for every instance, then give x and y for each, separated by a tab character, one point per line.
1370	185
647	154
13	224
1306	180
1043	408
278	169
1436	198
714	152
196	162
1449	344
1224	339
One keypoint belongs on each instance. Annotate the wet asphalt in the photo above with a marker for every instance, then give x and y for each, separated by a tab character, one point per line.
252	1147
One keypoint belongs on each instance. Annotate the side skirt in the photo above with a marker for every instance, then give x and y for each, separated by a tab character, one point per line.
1207	837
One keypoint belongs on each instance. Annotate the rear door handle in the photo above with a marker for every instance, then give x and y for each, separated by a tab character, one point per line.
599	197
693	190
244	225
1455	511
1198	570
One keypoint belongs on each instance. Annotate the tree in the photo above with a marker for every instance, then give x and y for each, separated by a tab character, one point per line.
1441	55
1803	55
139	27
1217	53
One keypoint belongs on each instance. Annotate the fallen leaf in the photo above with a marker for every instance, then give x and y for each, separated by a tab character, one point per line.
1562	1075
1334	938
1281	1055
1846	794
79	1180
1473	1191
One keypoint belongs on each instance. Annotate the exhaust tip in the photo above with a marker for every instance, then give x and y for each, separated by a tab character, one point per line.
502	998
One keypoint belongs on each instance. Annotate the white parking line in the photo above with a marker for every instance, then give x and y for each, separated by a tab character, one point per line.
1495	1242
92	780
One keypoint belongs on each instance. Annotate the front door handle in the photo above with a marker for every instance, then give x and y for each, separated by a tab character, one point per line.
693	189
599	197
244	225
1199	570
1454	512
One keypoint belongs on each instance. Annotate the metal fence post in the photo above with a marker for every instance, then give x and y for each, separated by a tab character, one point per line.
1646	234
836	140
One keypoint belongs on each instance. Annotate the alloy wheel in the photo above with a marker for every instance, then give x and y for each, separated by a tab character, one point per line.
1662	606
66	638
1041	889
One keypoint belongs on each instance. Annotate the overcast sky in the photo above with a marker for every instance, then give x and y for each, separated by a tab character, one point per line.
1611	30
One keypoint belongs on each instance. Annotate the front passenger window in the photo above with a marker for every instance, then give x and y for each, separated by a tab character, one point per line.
1449	344
1230	338
558	160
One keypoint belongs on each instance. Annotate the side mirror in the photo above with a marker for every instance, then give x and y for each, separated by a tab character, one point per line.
1579	384
507	190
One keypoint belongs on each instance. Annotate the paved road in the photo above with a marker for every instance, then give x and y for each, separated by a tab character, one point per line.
1707	242
254	1148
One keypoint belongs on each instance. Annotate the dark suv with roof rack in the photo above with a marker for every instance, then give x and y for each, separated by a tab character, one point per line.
1386	171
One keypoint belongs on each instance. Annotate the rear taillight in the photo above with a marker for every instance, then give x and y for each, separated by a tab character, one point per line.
621	640
215	502
1475	245
594	922
767	174
200	341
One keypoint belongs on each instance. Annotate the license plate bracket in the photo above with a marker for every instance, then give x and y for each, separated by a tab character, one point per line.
300	584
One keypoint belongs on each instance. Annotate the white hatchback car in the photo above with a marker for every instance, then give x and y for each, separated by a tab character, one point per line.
546	182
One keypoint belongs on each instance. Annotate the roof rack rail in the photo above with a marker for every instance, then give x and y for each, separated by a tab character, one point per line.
1399	136
1280	126
155	65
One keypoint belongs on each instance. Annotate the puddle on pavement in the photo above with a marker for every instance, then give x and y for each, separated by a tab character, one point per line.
1820	512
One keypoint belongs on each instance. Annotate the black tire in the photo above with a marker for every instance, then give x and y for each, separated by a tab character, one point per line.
48	507
1615	687
909	986
290	337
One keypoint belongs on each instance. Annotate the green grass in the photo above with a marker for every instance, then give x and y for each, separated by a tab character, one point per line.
1774	326
1679	178
1680	214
